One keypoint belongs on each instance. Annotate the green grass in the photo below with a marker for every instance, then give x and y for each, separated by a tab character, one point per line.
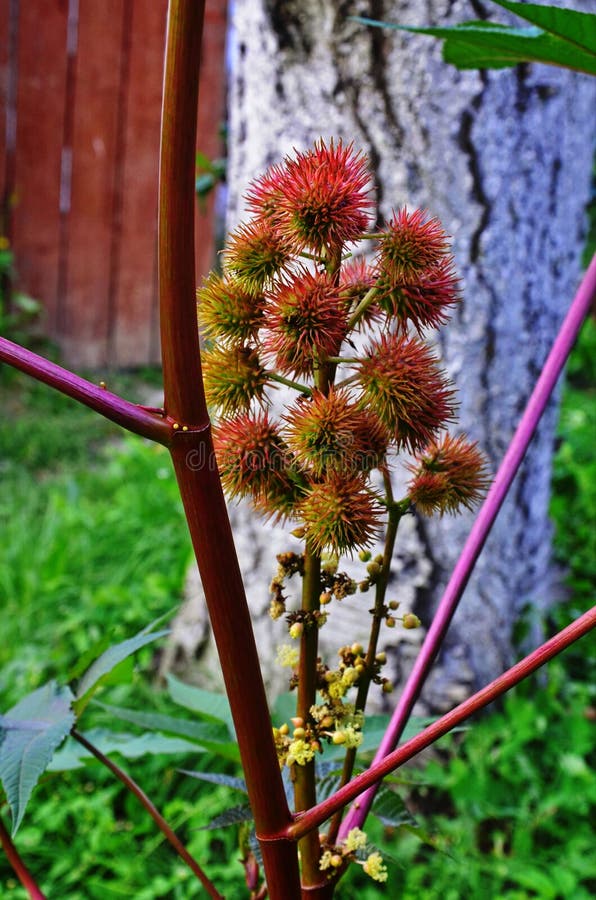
94	547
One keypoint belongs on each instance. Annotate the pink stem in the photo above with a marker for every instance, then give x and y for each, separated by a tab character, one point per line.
318	814
480	530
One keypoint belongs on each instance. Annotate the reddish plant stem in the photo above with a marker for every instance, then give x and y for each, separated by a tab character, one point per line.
507	470
20	869
194	459
128	415
157	817
314	817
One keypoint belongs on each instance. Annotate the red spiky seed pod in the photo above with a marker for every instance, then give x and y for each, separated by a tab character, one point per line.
425	301
228	312
340	513
333	433
253	459
411	244
233	377
264	194
306	322
324	197
255	253
403	383
449	474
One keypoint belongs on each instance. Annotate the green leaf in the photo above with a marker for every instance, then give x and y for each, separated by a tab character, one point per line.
232	816
390	809
238	784
30	733
130	746
212	732
578	28
108	660
207	703
491	45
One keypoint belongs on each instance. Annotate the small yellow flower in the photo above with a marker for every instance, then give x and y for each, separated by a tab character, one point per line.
287	656
375	868
299	752
325	860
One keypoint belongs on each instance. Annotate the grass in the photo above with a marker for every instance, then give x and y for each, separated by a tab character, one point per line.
94	547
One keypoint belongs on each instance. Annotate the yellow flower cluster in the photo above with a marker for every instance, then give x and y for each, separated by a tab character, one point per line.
287	656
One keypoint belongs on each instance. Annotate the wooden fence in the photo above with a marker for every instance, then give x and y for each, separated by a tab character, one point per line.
81	84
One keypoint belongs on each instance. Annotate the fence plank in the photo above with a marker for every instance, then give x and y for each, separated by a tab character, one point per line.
133	341
211	118
41	72
86	288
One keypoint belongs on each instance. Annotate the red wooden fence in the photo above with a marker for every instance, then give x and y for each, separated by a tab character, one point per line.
80	84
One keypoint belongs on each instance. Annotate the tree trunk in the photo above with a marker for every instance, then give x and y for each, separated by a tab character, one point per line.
504	160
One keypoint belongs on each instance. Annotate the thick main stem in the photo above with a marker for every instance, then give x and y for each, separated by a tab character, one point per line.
193	456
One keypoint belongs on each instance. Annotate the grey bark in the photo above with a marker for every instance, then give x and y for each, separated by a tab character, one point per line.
504	159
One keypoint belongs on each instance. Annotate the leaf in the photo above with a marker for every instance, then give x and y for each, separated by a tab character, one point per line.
390	809
232	816
130	746
492	45
30	732
576	27
212	732
108	660
207	703
237	784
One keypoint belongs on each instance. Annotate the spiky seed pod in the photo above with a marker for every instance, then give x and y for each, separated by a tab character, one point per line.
448	474
255	253
264	194
424	301
333	433
254	461
324	197
233	377
340	513
411	244
402	382
306	322
227	312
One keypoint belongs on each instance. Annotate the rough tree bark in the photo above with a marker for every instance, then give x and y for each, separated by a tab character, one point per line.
504	159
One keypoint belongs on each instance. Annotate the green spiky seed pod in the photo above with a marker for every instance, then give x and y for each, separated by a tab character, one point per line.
255	253
227	312
233	377
333	433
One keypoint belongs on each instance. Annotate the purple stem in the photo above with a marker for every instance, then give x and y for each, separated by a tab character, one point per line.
544	387
129	415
